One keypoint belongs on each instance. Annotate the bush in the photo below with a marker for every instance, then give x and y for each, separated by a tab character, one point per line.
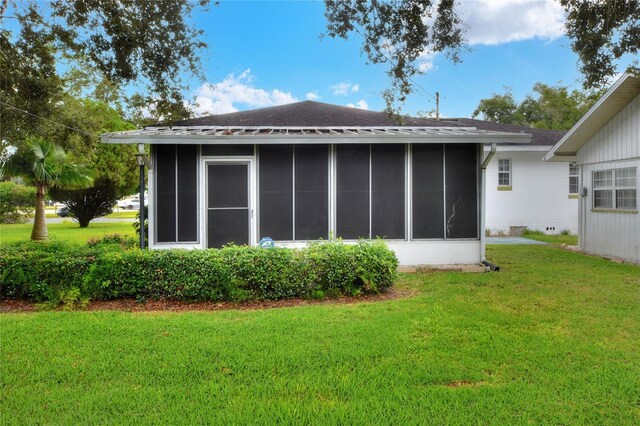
110	269
13	198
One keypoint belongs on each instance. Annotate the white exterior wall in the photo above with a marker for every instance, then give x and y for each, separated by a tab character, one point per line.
615	145
539	198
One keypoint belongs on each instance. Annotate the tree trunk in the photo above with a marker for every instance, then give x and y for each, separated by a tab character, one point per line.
83	223
39	231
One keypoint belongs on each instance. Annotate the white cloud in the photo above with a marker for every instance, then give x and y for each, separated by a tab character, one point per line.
222	97
342	89
312	96
425	61
361	104
492	22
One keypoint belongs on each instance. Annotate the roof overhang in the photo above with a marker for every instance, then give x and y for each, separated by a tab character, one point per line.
617	97
221	135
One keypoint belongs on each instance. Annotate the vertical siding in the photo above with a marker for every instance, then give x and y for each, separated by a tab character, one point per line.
539	197
615	145
619	139
611	234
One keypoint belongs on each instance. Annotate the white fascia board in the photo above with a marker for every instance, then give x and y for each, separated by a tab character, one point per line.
601	104
310	140
520	148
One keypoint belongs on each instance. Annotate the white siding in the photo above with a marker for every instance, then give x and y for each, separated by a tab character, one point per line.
619	139
610	234
539	197
615	145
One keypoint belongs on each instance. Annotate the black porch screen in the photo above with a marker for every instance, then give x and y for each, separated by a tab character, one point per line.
276	191
461	165
387	191
227	204
352	197
311	192
165	172
428	191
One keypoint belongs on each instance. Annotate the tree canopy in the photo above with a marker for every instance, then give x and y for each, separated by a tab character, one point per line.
548	107
399	32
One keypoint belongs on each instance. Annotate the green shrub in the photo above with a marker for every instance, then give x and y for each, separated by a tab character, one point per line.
110	268
13	199
565	232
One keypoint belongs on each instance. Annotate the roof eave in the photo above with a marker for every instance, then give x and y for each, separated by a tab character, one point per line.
584	129
111	138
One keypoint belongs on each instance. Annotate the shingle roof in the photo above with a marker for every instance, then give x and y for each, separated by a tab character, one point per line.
538	136
308	113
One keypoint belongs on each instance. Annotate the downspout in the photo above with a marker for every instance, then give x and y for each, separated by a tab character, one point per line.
483	199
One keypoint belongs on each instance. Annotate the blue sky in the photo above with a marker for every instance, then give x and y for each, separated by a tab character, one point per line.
268	53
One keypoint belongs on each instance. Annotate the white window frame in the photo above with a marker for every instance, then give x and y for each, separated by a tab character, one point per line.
575	175
613	189
507	172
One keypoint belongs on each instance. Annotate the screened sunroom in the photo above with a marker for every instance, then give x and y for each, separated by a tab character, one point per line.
312	171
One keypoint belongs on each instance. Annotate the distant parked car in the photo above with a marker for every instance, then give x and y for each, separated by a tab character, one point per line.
130	204
63	211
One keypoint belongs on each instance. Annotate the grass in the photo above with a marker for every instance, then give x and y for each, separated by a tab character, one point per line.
67	230
571	240
124	214
552	338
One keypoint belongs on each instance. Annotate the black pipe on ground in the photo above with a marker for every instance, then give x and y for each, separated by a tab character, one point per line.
491	266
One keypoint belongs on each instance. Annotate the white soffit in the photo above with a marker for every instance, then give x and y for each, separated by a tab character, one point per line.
218	135
611	103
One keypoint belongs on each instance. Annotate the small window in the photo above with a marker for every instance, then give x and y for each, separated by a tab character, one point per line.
504	172
615	189
573	179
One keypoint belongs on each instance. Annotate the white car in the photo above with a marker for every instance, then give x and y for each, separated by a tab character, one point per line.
129	204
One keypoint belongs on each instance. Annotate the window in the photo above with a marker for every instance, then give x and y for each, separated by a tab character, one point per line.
504	172
573	179
615	189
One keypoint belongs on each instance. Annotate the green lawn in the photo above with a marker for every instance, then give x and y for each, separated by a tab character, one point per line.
571	240
67	230
551	339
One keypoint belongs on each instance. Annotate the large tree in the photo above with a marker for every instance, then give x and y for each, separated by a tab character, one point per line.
548	107
136	44
399	32
44	165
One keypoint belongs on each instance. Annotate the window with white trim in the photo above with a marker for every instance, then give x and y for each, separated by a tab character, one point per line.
615	189
504	172
573	179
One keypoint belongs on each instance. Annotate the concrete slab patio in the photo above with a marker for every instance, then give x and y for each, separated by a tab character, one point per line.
512	240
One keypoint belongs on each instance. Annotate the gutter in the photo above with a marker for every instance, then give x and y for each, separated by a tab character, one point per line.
483	199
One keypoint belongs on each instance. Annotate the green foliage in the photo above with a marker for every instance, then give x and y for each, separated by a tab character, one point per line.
550	107
13	199
89	203
602	32
110	269
136	225
397	34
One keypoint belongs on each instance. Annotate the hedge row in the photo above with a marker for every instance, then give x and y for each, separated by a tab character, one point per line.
45	272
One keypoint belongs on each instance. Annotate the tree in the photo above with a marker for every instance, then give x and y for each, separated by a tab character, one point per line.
400	32
498	108
44	165
90	203
15	198
602	32
549	107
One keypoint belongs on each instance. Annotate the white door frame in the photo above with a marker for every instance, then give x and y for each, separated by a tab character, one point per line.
204	181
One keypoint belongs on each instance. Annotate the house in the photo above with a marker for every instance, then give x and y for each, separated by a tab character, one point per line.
522	189
605	144
308	171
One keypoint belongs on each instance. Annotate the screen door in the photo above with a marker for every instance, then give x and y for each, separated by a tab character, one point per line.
228	211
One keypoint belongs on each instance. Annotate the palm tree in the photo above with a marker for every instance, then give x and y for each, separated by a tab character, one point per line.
45	165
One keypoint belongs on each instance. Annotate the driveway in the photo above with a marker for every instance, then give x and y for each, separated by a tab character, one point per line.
511	240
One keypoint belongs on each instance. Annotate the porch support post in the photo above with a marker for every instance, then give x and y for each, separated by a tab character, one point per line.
141	161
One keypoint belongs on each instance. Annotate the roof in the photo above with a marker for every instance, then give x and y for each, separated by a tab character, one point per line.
311	122
308	114
611	103
539	137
